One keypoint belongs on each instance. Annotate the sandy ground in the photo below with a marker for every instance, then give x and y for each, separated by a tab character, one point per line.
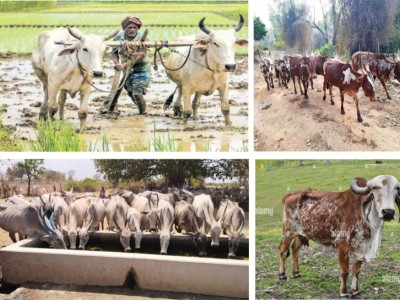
22	93
284	121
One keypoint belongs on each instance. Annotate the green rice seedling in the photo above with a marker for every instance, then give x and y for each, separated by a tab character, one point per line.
103	147
56	136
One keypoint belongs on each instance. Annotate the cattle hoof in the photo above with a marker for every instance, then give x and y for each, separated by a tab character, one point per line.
359	119
296	275
346	296
342	111
323	98
332	103
357	295
283	276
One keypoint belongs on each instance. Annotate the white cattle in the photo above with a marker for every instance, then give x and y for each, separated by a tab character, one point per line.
133	220
165	214
232	219
204	208
95	214
116	211
147	210
68	69
76	219
206	70
185	219
24	218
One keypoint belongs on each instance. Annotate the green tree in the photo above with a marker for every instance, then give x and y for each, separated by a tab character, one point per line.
15	172
259	29
33	169
174	172
53	176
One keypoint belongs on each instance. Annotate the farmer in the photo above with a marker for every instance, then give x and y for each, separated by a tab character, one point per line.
139	78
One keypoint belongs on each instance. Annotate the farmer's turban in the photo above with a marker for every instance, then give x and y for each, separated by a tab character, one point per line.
131	20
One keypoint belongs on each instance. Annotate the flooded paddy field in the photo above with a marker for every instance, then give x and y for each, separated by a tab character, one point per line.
21	94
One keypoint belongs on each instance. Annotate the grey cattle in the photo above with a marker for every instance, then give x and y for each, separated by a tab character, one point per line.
25	219
133	219
76	219
185	219
147	210
116	211
68	69
204	208
165	213
232	219
206	70
95	214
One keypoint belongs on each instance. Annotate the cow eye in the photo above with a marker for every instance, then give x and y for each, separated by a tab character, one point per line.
216	44
85	49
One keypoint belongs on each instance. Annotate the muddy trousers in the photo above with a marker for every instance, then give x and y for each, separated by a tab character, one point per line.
138	99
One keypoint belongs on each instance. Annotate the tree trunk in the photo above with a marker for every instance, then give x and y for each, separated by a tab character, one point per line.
29	186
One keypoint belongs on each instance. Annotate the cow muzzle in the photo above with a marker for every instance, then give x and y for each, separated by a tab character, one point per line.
231	255
214	244
388	214
128	249
97	73
202	253
230	68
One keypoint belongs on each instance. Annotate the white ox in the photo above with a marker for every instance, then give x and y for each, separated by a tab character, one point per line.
23	217
116	211
76	219
133	219
232	219
68	69
206	70
204	208
95	214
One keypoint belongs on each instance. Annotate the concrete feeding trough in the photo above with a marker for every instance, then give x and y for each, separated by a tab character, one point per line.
28	261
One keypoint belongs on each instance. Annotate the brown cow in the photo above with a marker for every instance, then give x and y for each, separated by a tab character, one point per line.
307	66
319	64
266	69
351	222
341	75
282	71
378	65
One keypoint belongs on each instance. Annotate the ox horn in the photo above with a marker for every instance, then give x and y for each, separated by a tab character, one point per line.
112	34
359	190
203	27
75	33
62	190
239	25
52	221
45	224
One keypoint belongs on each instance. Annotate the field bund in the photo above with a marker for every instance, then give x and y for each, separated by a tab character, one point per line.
24	262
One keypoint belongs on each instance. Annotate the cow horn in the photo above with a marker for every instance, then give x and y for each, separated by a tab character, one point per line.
359	190
72	189
203	27
52	221
112	34
44	204
75	33
62	190
239	25
45	224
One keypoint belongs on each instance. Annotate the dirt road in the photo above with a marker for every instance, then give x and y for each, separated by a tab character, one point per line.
285	122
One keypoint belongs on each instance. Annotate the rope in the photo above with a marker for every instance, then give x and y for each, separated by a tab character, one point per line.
83	73
206	66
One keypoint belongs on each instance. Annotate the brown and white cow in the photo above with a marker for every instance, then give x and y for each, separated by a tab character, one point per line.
282	71
303	67
266	68
319	64
378	65
341	75
351	221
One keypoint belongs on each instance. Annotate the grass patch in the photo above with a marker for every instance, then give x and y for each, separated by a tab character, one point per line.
319	267
56	136
9	142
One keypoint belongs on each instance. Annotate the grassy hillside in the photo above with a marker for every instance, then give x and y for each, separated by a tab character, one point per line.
319	268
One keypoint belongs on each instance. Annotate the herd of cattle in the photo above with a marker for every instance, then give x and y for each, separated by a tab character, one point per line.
58	218
69	70
351	221
336	73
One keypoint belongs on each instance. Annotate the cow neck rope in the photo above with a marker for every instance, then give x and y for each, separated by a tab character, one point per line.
206	66
83	73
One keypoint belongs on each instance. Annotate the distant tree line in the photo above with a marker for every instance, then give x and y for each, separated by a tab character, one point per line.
347	25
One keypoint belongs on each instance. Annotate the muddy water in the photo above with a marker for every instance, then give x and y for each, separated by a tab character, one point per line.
21	94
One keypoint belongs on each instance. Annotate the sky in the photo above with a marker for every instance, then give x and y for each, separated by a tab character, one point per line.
261	9
83	167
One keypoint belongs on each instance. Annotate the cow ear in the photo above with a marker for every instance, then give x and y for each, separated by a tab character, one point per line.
242	42
67	51
200	44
